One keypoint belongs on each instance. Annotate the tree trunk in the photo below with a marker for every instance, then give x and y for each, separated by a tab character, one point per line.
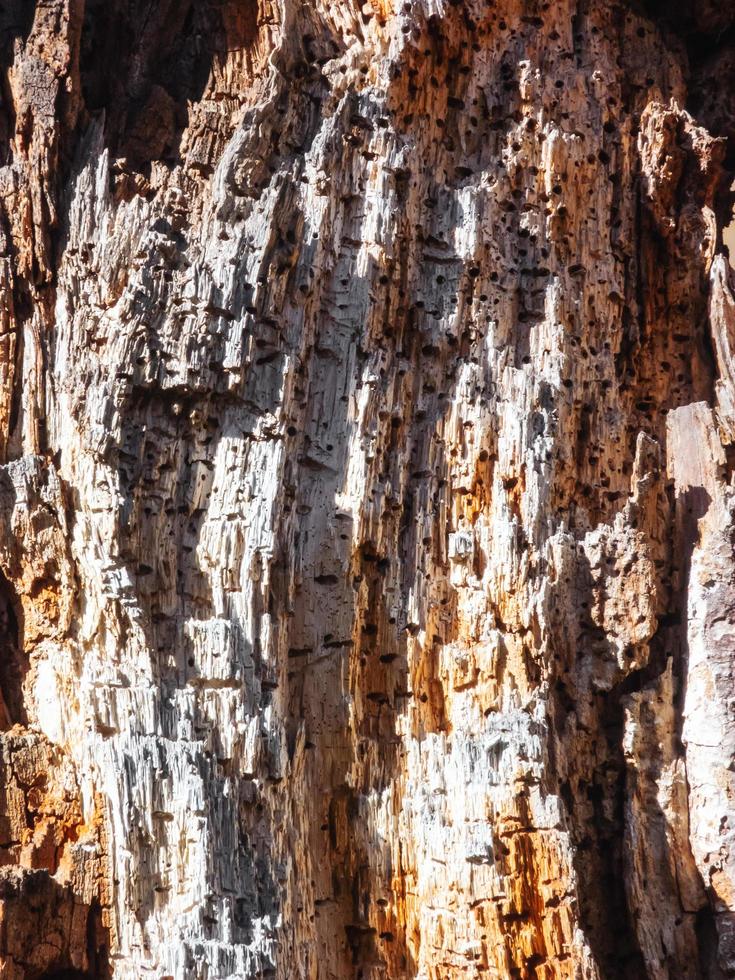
367	529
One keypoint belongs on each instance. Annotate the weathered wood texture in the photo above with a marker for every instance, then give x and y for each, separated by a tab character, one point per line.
367	423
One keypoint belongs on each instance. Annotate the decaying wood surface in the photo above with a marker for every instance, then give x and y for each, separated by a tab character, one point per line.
367	521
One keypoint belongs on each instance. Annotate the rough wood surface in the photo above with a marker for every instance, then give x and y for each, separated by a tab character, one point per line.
367	426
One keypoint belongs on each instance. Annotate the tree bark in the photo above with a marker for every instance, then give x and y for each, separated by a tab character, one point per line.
367	432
